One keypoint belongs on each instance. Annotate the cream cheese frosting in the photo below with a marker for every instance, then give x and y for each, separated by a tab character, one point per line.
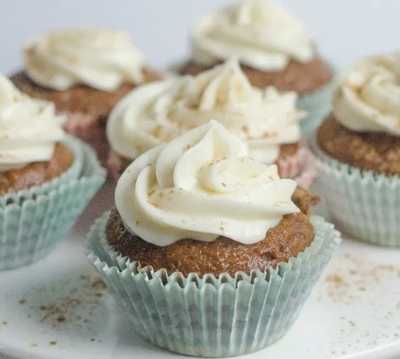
202	185
158	112
261	34
368	98
29	129
100	58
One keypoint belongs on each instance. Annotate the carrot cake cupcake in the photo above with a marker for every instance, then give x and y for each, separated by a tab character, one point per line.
84	72
358	147
159	112
273	48
40	167
200	226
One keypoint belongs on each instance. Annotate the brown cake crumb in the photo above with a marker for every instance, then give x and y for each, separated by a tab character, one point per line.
288	150
352	277
290	237
373	151
305	200
36	173
78	99
302	78
75	307
335	279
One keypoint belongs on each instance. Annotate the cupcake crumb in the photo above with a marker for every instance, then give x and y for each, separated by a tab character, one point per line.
67	309
354	276
61	319
334	278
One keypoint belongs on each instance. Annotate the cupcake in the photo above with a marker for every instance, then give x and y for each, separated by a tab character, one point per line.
208	251
159	112
358	150
46	178
273	49
84	72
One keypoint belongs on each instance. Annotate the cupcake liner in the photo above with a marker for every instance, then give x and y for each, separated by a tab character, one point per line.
363	203
116	165
317	105
300	167
72	173
32	224
90	129
208	316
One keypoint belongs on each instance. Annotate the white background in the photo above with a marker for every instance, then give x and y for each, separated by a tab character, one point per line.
344	29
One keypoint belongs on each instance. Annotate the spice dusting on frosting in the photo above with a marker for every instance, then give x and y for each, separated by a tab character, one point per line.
159	112
213	189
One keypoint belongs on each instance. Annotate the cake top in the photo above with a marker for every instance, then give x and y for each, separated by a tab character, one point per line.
368	97
159	112
99	58
29	129
260	33
202	185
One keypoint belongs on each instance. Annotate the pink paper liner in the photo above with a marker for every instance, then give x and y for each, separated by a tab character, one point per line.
300	167
114	165
90	130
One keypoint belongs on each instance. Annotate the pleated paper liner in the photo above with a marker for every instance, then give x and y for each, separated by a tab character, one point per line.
208	316
300	167
317	105
362	203
32	223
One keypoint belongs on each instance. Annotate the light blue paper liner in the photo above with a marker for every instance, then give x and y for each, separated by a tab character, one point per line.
363	204
33	222
317	105
208	316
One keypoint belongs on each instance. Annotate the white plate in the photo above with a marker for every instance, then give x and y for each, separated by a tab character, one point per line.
57	309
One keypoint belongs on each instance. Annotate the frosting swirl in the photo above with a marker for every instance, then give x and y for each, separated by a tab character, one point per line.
29	129
368	98
261	34
100	58
157	113
202	185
